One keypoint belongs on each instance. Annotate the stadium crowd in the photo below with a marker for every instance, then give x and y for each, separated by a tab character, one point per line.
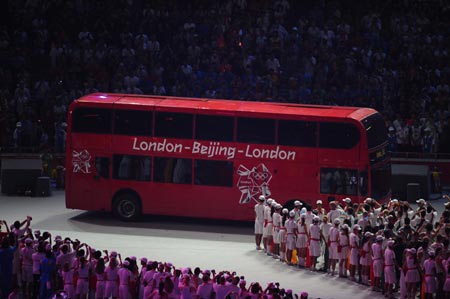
389	56
35	265
389	247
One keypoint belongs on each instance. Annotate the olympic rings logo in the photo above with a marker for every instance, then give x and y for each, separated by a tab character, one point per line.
260	175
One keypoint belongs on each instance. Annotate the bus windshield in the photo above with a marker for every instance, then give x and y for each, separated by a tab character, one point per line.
376	130
381	180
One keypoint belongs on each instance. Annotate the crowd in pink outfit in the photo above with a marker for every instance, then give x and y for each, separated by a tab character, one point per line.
42	265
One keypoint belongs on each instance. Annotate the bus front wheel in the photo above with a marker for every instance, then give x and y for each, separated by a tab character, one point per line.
127	207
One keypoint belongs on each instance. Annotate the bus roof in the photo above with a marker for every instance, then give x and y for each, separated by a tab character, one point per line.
225	106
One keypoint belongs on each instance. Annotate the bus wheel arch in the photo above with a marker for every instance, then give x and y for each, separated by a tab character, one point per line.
127	205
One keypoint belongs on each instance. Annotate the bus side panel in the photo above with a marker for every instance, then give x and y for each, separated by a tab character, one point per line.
284	181
190	200
338	157
280	180
295	181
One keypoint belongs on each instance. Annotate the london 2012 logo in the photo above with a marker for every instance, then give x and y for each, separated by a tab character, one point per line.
81	161
253	182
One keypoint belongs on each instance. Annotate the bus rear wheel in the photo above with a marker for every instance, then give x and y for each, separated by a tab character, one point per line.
127	207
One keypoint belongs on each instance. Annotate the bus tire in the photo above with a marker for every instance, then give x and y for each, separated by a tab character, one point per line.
127	207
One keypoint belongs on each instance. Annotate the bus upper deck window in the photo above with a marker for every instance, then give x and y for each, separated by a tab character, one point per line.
297	133
214	127
338	135
173	125
91	120
256	130
133	122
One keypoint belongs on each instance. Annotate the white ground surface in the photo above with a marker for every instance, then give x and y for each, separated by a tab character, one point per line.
185	243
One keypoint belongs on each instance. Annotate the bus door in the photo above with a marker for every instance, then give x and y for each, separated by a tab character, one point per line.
90	178
89	138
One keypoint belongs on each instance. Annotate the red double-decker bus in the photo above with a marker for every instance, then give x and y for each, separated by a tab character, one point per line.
134	155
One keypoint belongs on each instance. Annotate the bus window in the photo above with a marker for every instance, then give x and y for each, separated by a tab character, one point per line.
338	181
102	167
133	122
376	130
91	120
297	133
363	183
172	170
338	135
173	125
256	130
213	173
214	127
132	167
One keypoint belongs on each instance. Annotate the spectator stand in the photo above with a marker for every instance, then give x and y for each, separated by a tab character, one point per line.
358	53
